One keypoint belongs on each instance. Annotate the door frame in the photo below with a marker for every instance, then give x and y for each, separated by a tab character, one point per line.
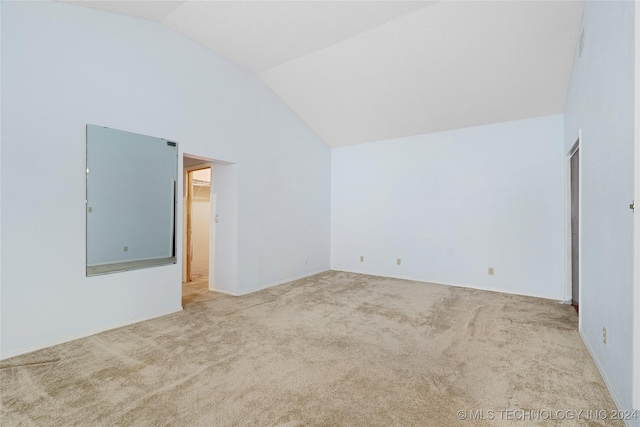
574	164
223	234
568	256
636	299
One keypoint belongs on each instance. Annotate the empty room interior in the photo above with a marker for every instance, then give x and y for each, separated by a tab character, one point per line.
320	213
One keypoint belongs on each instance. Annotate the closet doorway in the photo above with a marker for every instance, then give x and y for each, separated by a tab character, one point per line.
199	205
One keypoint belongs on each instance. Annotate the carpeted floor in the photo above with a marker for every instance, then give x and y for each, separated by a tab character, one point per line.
333	349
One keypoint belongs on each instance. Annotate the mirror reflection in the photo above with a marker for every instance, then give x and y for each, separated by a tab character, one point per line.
131	200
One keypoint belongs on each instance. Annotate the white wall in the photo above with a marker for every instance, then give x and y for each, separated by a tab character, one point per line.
289	186
201	221
64	66
201	217
0	171
224	239
601	103
636	335
452	204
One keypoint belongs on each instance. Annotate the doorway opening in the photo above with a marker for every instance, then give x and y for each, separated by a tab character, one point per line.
199	204
222	214
574	171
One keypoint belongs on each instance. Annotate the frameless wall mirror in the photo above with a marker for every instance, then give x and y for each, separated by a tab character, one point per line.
131	201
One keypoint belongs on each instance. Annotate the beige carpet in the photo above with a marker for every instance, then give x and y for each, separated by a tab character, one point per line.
333	349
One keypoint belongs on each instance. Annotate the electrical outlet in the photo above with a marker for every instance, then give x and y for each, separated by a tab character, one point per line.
399	261
491	271
306	260
126	248
604	335
361	258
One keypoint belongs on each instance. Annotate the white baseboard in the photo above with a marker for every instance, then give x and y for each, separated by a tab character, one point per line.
268	285
612	392
224	291
481	288
291	279
85	334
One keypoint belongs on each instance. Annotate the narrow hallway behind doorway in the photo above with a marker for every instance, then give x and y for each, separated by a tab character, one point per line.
195	285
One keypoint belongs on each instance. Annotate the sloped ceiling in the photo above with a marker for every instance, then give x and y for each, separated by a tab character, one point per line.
361	71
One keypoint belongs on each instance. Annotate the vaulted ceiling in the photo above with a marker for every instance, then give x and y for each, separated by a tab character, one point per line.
361	71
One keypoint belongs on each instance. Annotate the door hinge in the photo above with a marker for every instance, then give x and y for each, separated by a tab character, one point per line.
632	206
